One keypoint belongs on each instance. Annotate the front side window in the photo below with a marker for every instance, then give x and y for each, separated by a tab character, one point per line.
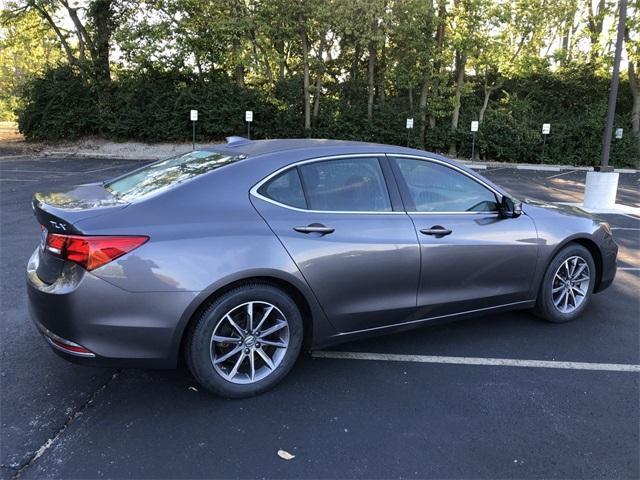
166	173
436	188
347	185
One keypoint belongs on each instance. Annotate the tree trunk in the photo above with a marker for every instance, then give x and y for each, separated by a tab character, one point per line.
440	33
101	15
422	107
318	92
282	59
238	69
307	96
410	98
371	81
381	74
634	83
461	59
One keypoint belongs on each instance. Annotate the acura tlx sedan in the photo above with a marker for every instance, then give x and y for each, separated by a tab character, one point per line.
235	256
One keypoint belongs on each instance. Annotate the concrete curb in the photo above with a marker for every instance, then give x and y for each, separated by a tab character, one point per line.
542	168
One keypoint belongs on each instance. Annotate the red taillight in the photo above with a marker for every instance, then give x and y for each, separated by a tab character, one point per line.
91	252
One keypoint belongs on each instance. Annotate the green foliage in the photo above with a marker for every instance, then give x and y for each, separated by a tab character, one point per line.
154	106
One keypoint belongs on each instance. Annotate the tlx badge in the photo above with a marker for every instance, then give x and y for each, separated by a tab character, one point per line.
58	225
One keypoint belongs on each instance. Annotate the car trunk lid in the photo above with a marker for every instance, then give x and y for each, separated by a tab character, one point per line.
61	212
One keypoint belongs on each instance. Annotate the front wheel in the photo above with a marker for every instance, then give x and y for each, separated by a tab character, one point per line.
246	341
567	285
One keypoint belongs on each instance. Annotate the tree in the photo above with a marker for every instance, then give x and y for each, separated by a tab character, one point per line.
27	48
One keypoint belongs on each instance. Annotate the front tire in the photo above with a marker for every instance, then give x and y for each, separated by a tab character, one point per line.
245	341
567	285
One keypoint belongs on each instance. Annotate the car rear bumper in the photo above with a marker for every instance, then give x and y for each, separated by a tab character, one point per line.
116	327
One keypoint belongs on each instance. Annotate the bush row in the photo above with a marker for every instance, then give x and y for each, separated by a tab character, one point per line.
154	106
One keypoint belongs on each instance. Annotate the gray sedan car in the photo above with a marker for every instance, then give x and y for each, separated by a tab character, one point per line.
236	256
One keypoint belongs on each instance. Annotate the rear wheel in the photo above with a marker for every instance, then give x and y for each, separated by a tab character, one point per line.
246	341
567	285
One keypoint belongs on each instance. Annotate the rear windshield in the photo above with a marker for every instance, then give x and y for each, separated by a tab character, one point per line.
166	173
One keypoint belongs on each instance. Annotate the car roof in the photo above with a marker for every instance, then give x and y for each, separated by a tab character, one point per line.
316	146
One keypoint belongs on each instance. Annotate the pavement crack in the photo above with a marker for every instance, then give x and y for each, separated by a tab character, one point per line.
46	445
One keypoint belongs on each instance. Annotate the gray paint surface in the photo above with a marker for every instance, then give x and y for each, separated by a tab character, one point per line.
375	273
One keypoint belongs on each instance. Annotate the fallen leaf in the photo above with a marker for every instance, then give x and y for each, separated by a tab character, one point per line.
193	388
285	455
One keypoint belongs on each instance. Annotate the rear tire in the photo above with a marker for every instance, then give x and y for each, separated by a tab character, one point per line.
245	341
567	285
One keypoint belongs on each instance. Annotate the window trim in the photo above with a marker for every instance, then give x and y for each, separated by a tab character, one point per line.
404	189
379	156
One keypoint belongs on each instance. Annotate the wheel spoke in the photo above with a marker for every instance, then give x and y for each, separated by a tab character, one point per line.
252	364
573	296
250	317
266	314
578	291
582	279
228	355
560	298
557	289
234	325
273	344
579	271
275	328
266	358
235	368
220	339
566	300
573	267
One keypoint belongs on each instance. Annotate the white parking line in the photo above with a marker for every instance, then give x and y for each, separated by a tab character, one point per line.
499	362
631	269
542	168
563	173
625	228
16	180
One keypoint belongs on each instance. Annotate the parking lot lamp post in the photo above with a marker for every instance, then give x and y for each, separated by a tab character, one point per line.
602	183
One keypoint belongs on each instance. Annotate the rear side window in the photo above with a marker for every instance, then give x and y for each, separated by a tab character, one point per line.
348	185
286	189
166	173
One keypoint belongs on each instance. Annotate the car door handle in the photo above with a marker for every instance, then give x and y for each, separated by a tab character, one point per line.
315	228
436	230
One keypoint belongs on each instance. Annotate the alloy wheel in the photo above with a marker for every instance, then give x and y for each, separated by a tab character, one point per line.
249	342
571	284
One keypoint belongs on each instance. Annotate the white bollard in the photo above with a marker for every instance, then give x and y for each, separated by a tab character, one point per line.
600	190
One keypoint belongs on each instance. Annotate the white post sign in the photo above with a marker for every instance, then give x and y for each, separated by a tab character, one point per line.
194	119
546	128
474	126
409	122
248	117
619	133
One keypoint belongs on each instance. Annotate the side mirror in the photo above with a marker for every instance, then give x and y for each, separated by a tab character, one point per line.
509	208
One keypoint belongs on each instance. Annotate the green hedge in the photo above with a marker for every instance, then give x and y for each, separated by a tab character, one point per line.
154	106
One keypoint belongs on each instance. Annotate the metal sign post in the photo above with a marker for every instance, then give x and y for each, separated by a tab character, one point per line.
474	128
546	130
409	128
248	117
194	119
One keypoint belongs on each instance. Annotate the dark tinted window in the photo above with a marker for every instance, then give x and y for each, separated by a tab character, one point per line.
163	174
351	184
285	188
436	188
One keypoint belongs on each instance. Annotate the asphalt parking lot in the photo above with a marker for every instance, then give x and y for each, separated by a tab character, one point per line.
339	417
